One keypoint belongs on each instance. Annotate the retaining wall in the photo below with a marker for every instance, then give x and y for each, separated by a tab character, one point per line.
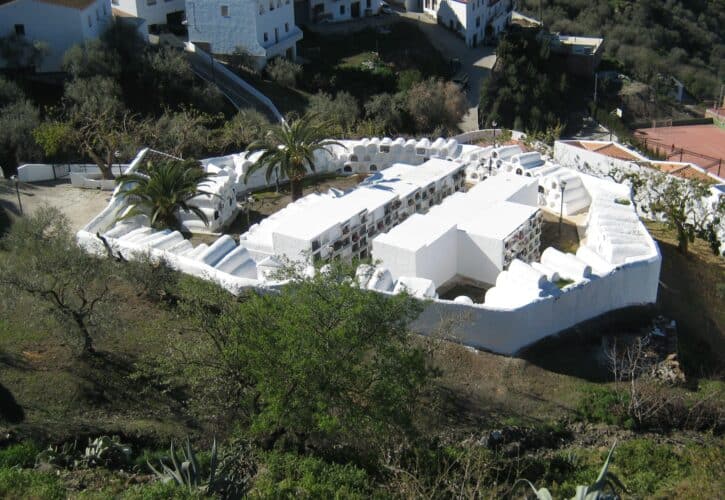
507	331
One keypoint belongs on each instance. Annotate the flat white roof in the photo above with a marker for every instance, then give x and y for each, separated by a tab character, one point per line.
307	221
498	221
484	210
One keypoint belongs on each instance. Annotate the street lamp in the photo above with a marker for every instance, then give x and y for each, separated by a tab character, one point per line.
490	165
117	155
493	124
17	191
562	186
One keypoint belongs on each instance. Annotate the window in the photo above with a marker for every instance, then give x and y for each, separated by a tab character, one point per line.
286	27
342	10
271	5
114	2
279	3
225	11
478	22
261	9
105	10
98	15
150	2
20	29
266	37
90	23
367	4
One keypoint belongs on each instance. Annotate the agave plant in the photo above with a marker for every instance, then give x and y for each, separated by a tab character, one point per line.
184	470
597	491
160	190
57	456
107	452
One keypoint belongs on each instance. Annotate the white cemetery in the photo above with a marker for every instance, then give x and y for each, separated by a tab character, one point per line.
430	218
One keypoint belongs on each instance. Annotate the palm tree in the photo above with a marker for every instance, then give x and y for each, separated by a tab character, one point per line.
288	150
161	189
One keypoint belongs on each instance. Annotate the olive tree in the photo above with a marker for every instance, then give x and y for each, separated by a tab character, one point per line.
687	206
40	258
100	122
322	360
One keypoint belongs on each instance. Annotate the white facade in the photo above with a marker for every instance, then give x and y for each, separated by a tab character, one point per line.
152	11
473	235
264	28
473	20
342	10
57	24
343	225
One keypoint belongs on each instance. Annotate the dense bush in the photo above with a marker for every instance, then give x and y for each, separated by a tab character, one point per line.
602	405
20	455
284	71
436	104
341	112
287	475
529	89
20	483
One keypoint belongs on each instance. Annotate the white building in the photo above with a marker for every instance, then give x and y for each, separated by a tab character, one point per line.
56	24
342	10
470	237
152	11
265	28
343	225
474	20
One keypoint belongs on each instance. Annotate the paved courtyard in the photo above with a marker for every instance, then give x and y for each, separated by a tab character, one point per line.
79	205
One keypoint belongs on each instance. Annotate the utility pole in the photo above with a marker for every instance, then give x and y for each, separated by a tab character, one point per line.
596	86
17	192
541	14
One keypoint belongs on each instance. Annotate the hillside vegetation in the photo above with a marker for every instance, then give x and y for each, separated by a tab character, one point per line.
319	391
647	37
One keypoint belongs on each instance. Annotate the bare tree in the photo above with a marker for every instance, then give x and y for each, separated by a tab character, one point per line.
43	260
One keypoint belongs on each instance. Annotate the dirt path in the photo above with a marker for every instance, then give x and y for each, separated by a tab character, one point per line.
79	205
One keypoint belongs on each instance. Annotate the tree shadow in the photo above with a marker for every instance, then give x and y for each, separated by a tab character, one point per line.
114	382
10	410
578	351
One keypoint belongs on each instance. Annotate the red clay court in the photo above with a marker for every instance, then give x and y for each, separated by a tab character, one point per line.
703	145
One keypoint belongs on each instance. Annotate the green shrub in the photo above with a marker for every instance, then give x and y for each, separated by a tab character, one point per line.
603	405
288	475
20	455
284	72
160	491
647	467
16	483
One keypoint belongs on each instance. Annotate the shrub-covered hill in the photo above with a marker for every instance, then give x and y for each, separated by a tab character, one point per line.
678	37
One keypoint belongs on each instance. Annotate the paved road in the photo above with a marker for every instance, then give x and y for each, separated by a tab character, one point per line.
476	61
237	95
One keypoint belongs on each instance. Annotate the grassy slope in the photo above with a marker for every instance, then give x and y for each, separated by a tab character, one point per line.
62	396
692	291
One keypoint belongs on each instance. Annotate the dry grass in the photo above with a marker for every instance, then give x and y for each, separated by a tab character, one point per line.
692	291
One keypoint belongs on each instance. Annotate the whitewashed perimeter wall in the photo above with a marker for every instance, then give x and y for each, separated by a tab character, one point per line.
507	331
39	172
599	165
